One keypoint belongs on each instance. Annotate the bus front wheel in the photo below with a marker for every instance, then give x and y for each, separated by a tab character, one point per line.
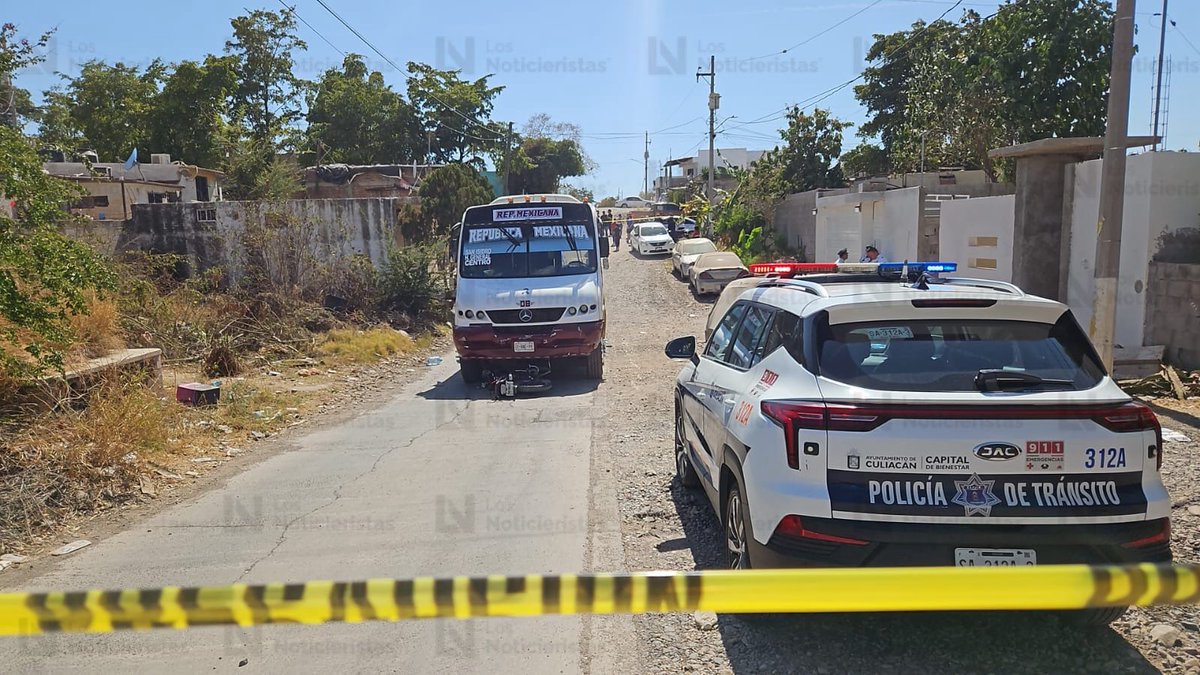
595	364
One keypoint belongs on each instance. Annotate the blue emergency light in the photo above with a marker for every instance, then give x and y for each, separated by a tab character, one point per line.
918	267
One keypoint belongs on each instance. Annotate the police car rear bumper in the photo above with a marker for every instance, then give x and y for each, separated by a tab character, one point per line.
888	544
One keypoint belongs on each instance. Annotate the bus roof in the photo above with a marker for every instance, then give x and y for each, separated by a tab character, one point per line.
536	199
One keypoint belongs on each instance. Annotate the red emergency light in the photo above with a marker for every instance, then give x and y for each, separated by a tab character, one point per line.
790	269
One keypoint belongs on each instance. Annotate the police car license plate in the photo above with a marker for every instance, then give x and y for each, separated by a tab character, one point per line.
994	557
523	346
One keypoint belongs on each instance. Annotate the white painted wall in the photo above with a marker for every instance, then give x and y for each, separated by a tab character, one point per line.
965	222
887	220
1162	192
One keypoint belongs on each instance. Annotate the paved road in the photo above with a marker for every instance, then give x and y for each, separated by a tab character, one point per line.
439	481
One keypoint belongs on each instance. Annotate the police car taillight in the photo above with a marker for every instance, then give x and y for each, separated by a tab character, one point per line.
787	269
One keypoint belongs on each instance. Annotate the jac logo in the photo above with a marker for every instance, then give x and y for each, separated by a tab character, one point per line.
997	452
525	303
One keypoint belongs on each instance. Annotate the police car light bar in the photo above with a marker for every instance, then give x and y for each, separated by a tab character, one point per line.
790	269
918	267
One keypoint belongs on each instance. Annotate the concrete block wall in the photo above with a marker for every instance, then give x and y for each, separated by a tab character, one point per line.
1173	312
292	239
978	235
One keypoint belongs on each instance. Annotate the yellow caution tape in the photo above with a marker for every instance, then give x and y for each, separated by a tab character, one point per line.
750	591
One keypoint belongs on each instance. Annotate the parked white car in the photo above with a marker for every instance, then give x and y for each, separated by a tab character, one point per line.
711	272
651	239
685	254
915	421
632	203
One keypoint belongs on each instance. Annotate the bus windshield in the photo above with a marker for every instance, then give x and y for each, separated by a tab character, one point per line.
491	251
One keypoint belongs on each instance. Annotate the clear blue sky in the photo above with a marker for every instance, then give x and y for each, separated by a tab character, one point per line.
617	69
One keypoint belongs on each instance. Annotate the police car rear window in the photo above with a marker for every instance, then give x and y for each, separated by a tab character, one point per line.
948	355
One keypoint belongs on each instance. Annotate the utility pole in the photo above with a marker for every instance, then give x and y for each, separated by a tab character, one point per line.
1112	186
646	166
507	153
714	102
1162	44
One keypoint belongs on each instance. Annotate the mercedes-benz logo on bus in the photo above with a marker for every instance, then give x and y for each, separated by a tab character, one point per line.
525	316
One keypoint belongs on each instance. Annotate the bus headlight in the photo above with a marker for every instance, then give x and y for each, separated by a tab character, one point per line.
571	311
470	314
480	314
583	309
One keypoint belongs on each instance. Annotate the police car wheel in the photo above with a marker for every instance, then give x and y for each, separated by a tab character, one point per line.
684	470
735	530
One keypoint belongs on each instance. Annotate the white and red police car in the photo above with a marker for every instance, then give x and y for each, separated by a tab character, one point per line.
876	414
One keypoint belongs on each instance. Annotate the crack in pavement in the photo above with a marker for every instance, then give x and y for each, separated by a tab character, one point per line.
337	493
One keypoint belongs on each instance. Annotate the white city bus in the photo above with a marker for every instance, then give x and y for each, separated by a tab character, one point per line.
530	284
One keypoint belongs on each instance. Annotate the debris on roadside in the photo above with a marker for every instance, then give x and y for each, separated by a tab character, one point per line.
1166	382
71	547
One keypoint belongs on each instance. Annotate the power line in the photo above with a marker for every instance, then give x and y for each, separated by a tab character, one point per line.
408	77
1184	36
815	35
292	11
891	58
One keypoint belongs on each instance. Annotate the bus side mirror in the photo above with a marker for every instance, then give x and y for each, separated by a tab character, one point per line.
603	247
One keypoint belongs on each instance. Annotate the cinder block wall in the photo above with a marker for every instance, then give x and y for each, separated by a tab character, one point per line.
1173	312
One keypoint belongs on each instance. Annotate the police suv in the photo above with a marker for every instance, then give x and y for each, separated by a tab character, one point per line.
876	414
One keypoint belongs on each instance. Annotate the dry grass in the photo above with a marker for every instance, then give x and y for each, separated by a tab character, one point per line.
366	346
77	459
97	331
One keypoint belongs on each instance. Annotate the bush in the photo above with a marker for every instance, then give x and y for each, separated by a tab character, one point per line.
411	281
365	346
1179	246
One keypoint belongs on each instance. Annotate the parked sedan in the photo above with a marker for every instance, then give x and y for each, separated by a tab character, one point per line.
712	271
685	254
651	239
632	203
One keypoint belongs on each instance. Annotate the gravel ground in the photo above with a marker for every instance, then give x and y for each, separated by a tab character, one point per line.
664	527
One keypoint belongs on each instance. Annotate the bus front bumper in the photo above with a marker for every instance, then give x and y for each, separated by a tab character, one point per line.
513	342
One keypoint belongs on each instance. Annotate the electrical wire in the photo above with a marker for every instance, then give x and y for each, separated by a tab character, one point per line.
408	77
814	36
292	11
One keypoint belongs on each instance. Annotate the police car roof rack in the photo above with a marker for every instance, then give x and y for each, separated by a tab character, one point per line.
983	283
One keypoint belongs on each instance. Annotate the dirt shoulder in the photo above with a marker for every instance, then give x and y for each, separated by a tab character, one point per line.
664	527
281	400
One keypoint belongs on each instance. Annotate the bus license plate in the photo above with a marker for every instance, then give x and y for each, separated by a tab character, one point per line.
523	346
994	557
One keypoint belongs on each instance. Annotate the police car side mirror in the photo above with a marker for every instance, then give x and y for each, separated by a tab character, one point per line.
681	348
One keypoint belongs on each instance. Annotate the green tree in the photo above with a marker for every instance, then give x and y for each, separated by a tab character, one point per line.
16	104
539	164
806	160
44	276
57	128
268	94
957	90
111	106
189	116
445	194
578	192
864	160
455	113
355	118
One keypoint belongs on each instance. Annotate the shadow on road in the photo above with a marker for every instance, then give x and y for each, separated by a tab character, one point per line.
911	641
566	381
1175	415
